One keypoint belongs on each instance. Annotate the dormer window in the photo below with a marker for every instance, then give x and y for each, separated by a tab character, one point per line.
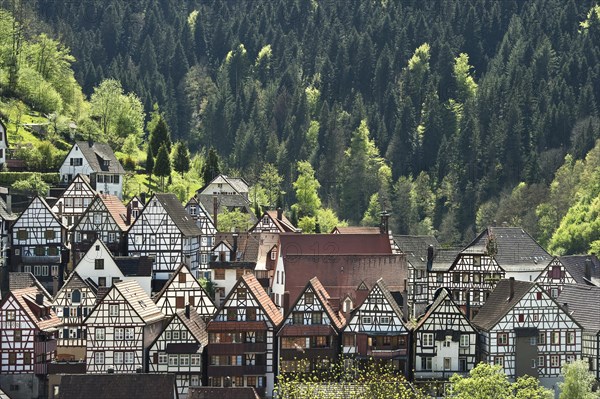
106	163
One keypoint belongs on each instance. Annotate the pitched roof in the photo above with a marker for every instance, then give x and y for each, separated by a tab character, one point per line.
134	265
176	211
517	250
96	153
283	224
222	393
499	303
356	230
583	304
415	248
262	298
442	295
173	276
3	395
195	325
4	213
444	258
247	245
117	210
117	386
334	244
76	281
18	280
26	297
45	204
575	265
137	298
338	319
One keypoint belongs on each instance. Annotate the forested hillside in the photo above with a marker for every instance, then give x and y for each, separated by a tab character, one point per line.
453	115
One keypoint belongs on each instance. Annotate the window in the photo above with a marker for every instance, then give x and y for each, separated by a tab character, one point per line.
426	363
570	337
231	314
27	358
554	361
273	254
251	314
11	315
298	318
118	358
129	333
465	277
173	360
309	298
428	339
533	363
533	341
542	338
447	363
162	358
384	320
366	319
195	360
119	334
138	239
49	234
99	357
499	360
99	334
502	338
219	274
541	360
464	340
76	161
456	277
40	251
194	380
129	357
12	358
21	234
439	277
349	340
570	358
316	318
102	281
555	338
175	335
113	310
521	317
184	360
18	335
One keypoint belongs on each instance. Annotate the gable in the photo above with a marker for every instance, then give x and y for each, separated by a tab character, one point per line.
377	314
101	313
86	267
444	314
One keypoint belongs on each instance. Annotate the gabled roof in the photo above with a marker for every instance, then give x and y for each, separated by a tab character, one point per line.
575	265
236	183
283	224
96	153
45	204
177	212
117	386
336	318
76	281
415	248
137	298
444	258
130	266
26	297
173	276
389	297
356	230
516	249
18	280
260	295
441	296
499	303
194	324
583	304
334	244
247	245
117	210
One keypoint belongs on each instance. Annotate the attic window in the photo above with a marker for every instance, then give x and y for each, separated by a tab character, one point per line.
106	163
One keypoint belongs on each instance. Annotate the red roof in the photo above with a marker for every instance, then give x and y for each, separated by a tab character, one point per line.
334	244
117	210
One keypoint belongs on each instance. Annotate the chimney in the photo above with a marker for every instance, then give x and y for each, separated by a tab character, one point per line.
511	288
187	311
143	198
128	218
39	299
588	269
429	257
383	226
235	248
279	213
215	210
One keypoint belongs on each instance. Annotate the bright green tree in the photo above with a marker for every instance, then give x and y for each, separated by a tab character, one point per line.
162	166
235	220
270	180
33	185
306	188
181	158
578	381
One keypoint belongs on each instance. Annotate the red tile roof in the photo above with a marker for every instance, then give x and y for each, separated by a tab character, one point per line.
263	299
335	244
26	298
117	210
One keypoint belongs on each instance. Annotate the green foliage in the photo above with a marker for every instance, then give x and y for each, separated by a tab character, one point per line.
149	160
181	158
43	157
466	87
270	180
235	220
578	381
160	135
162	166
211	167
32	185
9	178
306	189
208	286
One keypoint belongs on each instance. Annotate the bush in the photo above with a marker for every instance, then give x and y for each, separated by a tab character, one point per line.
9	178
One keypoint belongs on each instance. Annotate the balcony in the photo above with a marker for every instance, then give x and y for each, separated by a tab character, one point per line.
41	260
235	371
438	375
385	353
236	349
308	353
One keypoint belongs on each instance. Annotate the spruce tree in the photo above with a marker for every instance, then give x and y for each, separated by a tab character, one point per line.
159	135
162	167
149	162
181	158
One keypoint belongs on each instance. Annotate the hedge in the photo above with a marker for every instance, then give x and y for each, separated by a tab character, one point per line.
8	178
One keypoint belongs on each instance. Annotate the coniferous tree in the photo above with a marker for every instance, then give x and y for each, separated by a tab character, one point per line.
160	135
162	167
181	158
149	162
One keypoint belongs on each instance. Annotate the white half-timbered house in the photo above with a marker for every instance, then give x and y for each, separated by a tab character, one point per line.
178	349
183	289
241	339
527	332
120	329
98	162
167	233
310	336
207	240
74	201
583	304
103	269
72	304
469	279
225	193
38	243
574	269
444	342
377	330
135	207
105	219
273	222
27	339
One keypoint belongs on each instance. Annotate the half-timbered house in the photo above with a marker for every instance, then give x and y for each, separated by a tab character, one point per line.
27	339
310	336
38	244
103	269
515	251
98	162
207	240
120	329
527	332
583	304
419	251
105	219
74	201
444	342
167	233
575	269
273	222
179	348
241	347
469	279
72	304
377	330
181	290
135	207
225	193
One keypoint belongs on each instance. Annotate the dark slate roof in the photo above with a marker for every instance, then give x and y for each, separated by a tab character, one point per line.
575	266
415	248
247	245
194	324
517	250
222	393
583	304
134	265
3	395
96	153
499	303
117	386
18	280
443	259
176	211
4	214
